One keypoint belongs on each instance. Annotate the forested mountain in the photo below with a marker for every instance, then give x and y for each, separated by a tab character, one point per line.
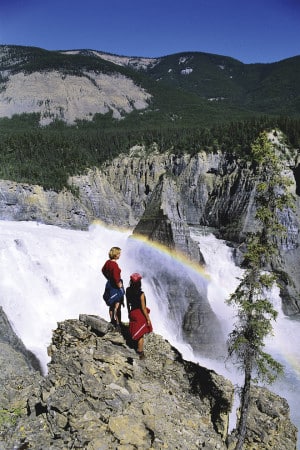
64	111
185	88
251	88
260	88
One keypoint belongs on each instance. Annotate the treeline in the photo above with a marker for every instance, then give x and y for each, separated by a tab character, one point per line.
49	155
34	59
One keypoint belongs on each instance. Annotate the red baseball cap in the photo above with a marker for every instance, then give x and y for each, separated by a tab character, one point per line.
135	277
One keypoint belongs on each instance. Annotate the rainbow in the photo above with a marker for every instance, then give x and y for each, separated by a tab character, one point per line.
176	255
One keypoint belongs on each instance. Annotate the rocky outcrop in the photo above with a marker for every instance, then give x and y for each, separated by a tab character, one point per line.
163	221
137	62
163	193
9	340
19	377
27	202
119	192
290	267
268	424
98	394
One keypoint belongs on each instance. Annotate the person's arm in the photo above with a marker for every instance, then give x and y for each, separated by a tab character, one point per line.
144	309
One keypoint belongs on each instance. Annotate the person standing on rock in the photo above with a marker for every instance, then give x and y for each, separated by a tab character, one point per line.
114	290
138	313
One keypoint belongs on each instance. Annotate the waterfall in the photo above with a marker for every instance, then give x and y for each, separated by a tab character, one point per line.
50	274
283	345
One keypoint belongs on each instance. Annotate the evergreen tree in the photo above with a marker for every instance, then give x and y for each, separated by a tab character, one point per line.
255	312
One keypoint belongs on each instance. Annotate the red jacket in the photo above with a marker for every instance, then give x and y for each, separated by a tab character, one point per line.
112	271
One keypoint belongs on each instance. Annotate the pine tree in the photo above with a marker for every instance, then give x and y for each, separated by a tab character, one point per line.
255	312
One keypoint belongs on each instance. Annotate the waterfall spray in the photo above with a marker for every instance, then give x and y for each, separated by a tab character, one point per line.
224	274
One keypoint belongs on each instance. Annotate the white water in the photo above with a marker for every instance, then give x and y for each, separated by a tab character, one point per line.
49	274
283	345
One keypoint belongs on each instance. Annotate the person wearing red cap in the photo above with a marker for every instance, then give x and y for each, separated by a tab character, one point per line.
138	313
114	290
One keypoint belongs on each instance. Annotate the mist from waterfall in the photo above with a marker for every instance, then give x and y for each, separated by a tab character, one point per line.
50	274
282	345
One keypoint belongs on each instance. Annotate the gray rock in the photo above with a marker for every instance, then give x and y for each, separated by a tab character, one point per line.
8	339
99	395
25	202
268	425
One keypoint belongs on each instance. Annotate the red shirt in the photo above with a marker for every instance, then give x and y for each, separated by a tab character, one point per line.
112	271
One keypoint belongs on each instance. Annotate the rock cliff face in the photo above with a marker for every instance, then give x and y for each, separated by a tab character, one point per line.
8	339
25	202
99	395
268	423
159	196
56	95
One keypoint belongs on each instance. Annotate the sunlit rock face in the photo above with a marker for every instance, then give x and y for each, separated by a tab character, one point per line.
98	394
21	201
270	414
70	97
203	189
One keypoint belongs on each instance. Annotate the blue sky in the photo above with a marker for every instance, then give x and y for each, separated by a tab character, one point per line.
250	31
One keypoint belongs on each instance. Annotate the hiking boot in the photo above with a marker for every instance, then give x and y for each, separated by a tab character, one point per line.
110	327
141	355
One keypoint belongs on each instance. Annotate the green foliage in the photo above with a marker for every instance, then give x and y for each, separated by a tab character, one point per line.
255	312
49	155
255	316
8	418
181	116
34	59
226	82
218	89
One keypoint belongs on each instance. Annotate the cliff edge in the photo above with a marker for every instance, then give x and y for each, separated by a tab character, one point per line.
99	395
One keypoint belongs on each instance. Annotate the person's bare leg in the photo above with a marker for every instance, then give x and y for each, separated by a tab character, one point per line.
119	313
140	345
116	315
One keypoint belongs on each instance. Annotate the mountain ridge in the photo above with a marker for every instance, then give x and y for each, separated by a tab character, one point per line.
188	88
